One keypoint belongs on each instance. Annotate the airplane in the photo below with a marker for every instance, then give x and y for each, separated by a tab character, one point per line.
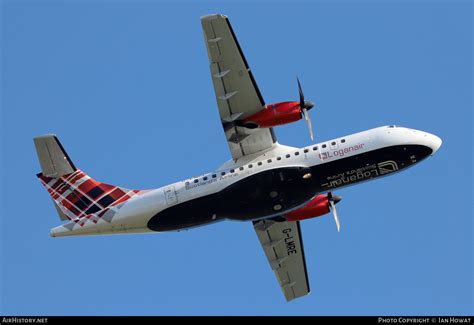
272	185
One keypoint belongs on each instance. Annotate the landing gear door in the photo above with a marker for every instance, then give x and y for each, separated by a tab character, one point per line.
170	195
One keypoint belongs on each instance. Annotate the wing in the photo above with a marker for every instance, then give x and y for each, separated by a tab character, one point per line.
236	91
283	246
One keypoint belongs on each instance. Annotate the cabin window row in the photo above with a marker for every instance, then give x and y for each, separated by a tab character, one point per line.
260	163
333	143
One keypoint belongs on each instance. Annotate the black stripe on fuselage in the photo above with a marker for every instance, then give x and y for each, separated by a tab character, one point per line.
255	196
281	189
367	166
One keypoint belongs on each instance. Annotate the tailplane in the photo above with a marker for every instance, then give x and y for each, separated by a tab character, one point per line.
77	196
53	158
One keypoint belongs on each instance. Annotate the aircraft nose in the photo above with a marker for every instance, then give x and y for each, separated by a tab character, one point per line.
434	143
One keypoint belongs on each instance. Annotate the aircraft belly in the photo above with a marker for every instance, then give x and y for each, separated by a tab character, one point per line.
256	196
277	191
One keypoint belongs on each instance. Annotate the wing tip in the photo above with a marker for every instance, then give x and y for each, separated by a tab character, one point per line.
298	225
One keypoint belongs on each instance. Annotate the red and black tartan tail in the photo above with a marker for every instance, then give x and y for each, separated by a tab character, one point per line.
74	193
78	195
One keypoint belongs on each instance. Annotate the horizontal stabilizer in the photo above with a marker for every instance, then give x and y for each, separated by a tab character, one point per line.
53	158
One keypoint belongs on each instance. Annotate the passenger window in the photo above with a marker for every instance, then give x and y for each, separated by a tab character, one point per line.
324	146
214	175
333	143
343	140
306	150
204	178
287	156
241	168
195	181
231	170
297	153
250	166
269	161
278	158
223	173
315	148
259	163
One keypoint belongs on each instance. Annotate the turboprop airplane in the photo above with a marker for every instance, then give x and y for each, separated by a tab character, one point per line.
272	185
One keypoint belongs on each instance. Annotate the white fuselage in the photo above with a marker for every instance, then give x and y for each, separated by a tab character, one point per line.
136	214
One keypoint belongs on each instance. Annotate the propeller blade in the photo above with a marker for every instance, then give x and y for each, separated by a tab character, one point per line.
308	121
300	90
336	218
332	205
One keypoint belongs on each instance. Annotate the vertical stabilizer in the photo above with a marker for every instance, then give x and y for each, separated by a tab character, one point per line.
77	197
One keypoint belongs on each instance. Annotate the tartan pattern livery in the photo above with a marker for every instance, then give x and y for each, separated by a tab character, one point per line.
82	199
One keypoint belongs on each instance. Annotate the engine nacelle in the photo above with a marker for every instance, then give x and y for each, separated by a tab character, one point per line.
274	115
317	207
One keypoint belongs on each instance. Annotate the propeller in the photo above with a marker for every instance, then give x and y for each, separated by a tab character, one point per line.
305	106
333	200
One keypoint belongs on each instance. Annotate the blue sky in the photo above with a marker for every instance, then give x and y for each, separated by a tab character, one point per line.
126	87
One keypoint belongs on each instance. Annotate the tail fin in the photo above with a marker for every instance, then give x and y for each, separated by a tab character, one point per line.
75	194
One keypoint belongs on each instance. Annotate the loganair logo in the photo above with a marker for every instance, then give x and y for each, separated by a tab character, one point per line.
386	167
360	174
341	152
